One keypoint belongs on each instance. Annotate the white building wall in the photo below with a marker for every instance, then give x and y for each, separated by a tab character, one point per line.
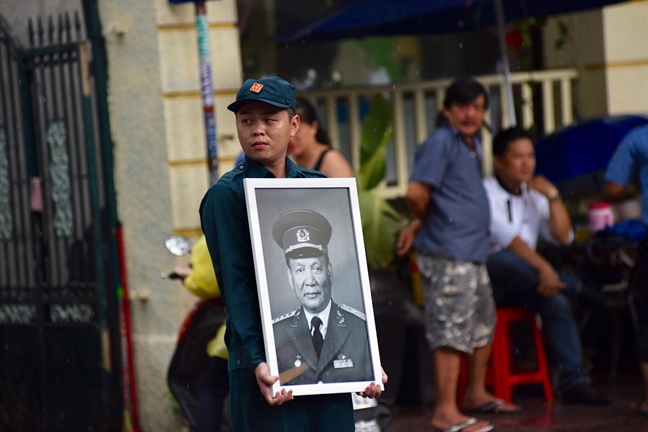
583	48
160	163
609	47
160	156
626	57
180	91
144	198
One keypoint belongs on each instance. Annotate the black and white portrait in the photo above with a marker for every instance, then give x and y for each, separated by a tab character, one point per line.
316	310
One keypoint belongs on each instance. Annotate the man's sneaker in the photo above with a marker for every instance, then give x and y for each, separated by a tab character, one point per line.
585	394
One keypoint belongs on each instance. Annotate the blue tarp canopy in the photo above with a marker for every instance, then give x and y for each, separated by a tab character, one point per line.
576	157
363	18
583	148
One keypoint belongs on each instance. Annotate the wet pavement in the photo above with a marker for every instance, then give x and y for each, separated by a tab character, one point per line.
538	416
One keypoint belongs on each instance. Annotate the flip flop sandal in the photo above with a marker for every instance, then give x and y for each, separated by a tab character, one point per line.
461	426
492	407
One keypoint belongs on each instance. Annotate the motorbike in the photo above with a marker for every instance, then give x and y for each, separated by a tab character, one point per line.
189	361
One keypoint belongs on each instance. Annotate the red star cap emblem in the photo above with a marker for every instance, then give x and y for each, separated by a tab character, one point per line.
256	87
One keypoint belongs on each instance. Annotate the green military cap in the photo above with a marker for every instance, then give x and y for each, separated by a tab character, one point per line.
302	233
273	90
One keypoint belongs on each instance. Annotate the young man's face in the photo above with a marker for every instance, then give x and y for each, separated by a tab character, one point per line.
518	162
264	131
467	118
310	279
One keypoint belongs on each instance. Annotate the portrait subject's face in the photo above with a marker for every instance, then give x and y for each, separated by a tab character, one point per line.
310	279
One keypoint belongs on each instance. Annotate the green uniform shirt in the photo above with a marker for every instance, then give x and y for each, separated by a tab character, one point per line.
224	220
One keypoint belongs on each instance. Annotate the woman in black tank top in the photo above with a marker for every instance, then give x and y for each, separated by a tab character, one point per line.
311	146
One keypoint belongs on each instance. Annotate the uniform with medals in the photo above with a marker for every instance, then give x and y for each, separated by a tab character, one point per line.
344	353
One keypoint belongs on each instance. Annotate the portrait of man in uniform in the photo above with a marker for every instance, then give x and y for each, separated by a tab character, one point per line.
316	309
322	341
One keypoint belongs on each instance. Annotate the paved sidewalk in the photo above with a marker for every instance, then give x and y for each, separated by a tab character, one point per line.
537	416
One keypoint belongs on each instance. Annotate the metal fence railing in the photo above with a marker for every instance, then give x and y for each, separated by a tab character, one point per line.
543	102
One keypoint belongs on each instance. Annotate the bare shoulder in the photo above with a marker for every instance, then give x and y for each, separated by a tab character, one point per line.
336	165
334	155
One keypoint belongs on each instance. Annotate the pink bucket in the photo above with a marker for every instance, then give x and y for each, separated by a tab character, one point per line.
600	216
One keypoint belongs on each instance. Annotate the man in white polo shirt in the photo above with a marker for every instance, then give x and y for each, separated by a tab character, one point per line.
524	207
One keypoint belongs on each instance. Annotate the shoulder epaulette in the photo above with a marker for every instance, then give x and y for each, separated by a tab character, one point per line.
284	316
354	312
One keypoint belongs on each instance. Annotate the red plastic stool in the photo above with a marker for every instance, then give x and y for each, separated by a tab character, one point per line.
501	375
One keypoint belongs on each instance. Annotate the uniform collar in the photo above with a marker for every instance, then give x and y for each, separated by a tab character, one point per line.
256	170
324	316
292	170
523	187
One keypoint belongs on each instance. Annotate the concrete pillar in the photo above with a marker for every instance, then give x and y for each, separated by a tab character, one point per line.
161	165
609	47
626	57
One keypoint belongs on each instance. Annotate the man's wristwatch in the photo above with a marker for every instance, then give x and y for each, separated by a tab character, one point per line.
555	197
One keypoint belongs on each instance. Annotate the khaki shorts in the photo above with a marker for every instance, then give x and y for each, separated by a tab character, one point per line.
459	306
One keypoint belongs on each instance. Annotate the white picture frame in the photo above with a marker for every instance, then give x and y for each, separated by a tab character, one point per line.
281	309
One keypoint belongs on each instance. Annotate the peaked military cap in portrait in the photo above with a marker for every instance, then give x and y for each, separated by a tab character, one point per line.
273	90
302	233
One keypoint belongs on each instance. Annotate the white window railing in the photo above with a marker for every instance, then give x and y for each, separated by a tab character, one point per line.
416	105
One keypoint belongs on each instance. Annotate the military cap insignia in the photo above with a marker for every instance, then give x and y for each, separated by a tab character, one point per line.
303	231
256	87
303	235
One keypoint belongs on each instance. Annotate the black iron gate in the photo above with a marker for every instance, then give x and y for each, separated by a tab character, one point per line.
58	272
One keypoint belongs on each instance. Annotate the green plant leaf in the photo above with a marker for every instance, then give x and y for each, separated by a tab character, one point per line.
376	136
375	126
380	225
372	171
380	221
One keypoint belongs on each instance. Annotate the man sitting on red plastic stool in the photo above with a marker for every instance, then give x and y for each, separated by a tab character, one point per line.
524	207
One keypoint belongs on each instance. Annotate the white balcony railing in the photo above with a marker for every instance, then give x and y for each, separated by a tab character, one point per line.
415	108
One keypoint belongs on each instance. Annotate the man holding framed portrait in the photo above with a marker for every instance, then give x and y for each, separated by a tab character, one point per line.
265	121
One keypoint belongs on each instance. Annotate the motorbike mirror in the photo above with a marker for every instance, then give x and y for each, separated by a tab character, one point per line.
177	245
